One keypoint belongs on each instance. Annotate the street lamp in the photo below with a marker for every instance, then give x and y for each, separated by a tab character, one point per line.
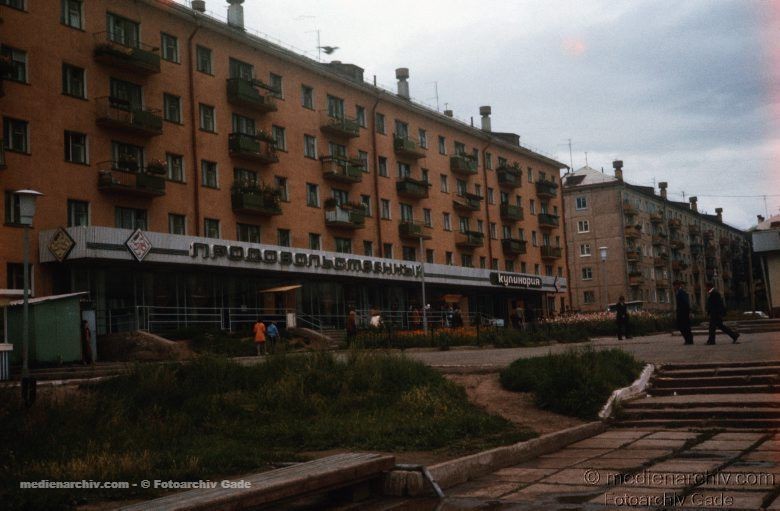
26	213
603	255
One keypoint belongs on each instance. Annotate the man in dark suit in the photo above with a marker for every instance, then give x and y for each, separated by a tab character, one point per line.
621	317
716	311
683	308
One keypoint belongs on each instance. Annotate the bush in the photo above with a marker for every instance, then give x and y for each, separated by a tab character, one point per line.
576	382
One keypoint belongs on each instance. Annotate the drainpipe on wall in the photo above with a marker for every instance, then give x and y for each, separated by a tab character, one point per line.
377	201
565	245
193	129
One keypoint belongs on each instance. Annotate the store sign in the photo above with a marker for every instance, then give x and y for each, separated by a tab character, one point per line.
61	244
139	245
300	259
515	280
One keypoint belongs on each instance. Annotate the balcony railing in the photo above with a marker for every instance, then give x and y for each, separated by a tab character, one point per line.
677	265
467	202
244	93
546	189
676	243
509	177
513	247
256	148
410	229
119	114
412	188
662	283
633	254
339	126
470	239
636	278
548	221
550	252
628	208
656	218
674	223
659	239
255	201
661	260
140	58
345	216
694	229
407	148
463	164
341	170
709	234
633	231
511	212
137	184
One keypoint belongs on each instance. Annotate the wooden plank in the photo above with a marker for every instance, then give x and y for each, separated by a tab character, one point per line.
273	486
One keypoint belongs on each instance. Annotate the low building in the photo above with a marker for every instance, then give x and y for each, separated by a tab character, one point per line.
766	245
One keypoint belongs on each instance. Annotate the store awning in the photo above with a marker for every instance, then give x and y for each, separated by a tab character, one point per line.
281	289
9	295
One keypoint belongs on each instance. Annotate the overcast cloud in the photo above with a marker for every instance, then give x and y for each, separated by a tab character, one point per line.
684	92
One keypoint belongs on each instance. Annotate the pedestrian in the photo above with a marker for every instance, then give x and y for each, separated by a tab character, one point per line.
416	318
376	320
273	336
683	309
259	331
716	311
450	317
621	317
86	343
351	325
457	318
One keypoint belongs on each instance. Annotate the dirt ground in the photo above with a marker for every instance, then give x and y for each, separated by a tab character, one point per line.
485	391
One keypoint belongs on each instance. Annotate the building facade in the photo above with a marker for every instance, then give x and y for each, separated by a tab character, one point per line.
650	242
157	134
766	245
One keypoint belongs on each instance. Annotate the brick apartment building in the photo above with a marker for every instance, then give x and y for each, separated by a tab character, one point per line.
651	242
189	165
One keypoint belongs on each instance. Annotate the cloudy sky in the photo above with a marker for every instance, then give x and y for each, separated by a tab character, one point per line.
684	92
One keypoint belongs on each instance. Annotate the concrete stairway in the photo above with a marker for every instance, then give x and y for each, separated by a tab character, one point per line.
75	371
731	395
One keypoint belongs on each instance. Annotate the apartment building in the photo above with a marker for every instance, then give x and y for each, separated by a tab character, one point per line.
766	246
186	163
623	239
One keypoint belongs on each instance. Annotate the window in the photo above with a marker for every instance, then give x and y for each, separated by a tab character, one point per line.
125	95
534	241
589	297
401	129
281	185
480	226
203	56
248	232
530	175
423	138
245	177
442	145
340	196
12	213
78	213
315	241
17	71
379	119
207	120
307	97
209	172
509	265
172	108
462	187
533	206
385	209
387	250
587	273
460	148
448	258
310	146
478	190
73	13
243	124
582	203
407	214
277	86
15	272
211	228
491	199
488	161
241	70
444	184
123	31
463	224
335	107
339	150
365	200
446	221
15	135
360	116
466	260
363	157
584	249
404	170
127	157
73	81
75	147
343	245
522	267
382	166
283	237
583	226
312	195
494	234
427	217
169	48
429	255
130	218
536	269
424	175
177	224
175	164
482	262
280	138
368	248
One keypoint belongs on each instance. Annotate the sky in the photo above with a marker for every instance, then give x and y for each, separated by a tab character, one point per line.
683	92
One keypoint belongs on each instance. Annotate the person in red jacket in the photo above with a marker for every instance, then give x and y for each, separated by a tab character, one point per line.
259	330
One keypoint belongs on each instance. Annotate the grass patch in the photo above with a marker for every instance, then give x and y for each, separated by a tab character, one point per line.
577	382
215	417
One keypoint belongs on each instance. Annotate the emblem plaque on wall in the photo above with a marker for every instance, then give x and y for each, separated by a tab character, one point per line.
138	245
61	244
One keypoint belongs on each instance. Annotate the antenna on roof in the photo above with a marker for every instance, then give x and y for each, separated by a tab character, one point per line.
436	93
586	158
571	159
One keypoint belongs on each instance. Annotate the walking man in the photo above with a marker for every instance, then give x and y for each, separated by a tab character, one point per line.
259	331
683	308
273	336
716	311
351	326
621	317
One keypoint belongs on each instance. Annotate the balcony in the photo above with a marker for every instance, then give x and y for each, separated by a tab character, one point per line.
341	170
550	252
244	93
115	113
547	221
677	265
709	234
412	188
628	208
255	148
511	213
676	243
662	283
345	216
463	164
724	242
635	278
339	126
513	246
633	254
133	184
409	229
633	231
253	200
674	223
470	239
407	148
659	239
139	58
467	202
509	177
546	189
656	218
694	230
661	260
696	248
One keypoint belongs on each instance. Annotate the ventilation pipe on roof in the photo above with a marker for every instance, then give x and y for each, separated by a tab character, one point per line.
760	218
663	185
694	205
402	73
236	14
199	5
485	112
719	214
618	166
448	113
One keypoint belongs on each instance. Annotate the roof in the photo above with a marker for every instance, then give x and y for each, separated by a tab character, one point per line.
587	176
773	222
50	298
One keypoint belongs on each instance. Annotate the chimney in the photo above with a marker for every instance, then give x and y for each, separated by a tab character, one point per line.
448	113
618	166
236	14
402	73
719	214
694	205
485	112
663	185
761	218
199	5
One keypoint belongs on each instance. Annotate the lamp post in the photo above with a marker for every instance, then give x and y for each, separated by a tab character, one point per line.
603	255
26	213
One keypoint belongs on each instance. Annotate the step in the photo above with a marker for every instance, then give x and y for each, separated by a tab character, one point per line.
744	389
755	363
757	424
649	404
703	413
718	371
715	381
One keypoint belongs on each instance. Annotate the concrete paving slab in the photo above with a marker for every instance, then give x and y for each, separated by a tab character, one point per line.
723	445
570	452
523	475
611	464
723	499
708	455
735	435
537	491
661	443
591	477
601	443
673	435
550	463
685	466
647	454
491	489
759	455
624	433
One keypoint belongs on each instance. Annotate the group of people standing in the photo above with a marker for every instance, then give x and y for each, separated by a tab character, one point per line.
523	318
265	336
